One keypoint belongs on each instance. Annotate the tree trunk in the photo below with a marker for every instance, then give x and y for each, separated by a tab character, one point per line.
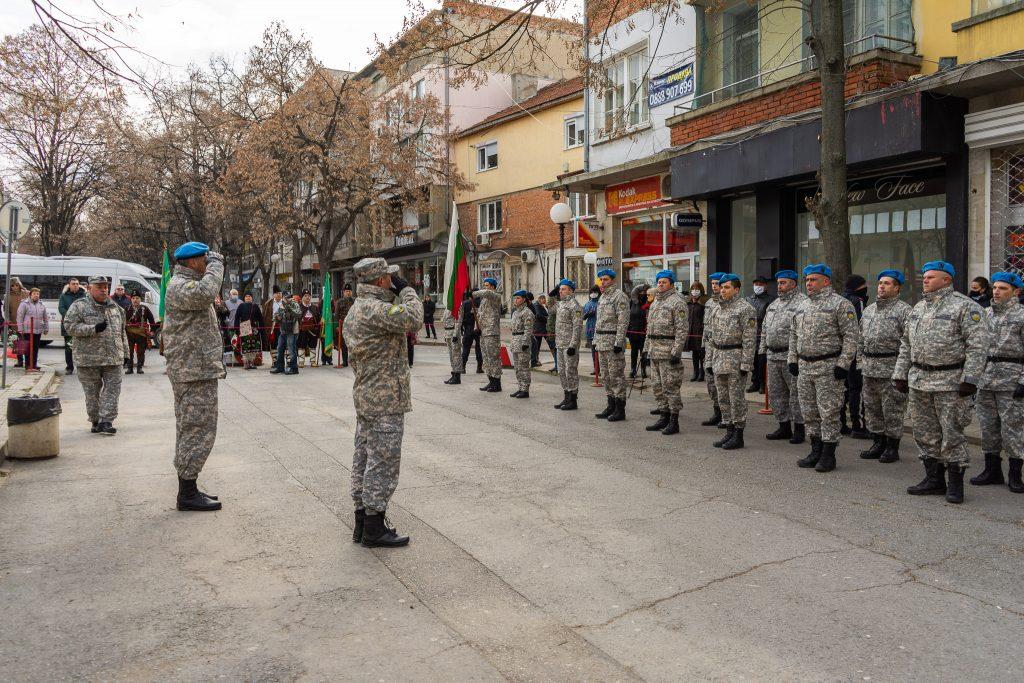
829	207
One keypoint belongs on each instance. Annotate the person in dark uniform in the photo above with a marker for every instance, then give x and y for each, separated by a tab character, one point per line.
856	292
429	308
540	327
470	331
759	300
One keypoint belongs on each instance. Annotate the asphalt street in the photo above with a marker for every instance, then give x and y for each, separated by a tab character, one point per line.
545	546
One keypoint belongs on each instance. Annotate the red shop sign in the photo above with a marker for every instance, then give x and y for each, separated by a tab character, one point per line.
639	194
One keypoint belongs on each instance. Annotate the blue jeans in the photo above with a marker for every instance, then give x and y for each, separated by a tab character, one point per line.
292	340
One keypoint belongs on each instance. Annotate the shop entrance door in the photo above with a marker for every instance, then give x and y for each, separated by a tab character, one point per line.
685	267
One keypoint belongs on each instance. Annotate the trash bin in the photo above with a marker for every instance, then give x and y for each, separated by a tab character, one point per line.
33	427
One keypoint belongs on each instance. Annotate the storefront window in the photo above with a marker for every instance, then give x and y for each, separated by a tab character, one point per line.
643	236
743	240
652	243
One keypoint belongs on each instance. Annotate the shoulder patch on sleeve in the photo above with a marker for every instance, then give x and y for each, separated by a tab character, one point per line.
851	315
396	309
976	317
751	322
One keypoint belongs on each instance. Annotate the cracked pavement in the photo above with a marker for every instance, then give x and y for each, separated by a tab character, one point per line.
546	546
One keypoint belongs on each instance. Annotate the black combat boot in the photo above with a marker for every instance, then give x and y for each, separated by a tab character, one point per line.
955	490
876	449
660	424
735	441
130	370
993	472
377	534
715	419
673	425
784	431
138	370
357	528
798	434
827	461
729	429
608	410
191	498
570	404
934	482
812	458
892	450
489	386
522	393
456	378
95	427
619	414
497	386
565	399
106	429
1015	483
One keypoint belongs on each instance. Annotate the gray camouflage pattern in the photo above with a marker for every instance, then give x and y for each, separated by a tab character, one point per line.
821	399
102	387
613	372
735	323
453	340
732	399
192	341
376	460
666	380
666	326
569	370
939	419
778	322
522	338
881	329
612	319
1001	419
195	422
490	350
109	347
783	392
884	407
709	315
488	312
1006	325
568	324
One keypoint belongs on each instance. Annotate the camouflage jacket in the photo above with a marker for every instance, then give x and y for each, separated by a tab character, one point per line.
778	321
290	308
569	323
666	326
881	328
825	324
710	309
488	312
734	336
375	330
552	308
450	325
109	347
1006	326
945	328
612	319
522	327
193	345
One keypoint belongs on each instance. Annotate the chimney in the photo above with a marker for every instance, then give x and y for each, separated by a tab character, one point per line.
523	87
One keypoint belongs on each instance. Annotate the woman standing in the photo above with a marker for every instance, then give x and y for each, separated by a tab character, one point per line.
590	323
32	325
639	304
249	321
11	312
981	291
694	338
429	308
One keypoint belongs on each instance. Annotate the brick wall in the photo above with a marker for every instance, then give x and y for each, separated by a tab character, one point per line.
525	221
862	78
605	13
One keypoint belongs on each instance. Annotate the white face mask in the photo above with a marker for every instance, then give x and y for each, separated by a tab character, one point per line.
593	296
758	289
694	292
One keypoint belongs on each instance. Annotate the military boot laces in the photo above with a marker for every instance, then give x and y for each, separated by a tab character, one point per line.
570	403
934	482
784	431
876	449
378	534
608	410
565	399
892	450
811	459
673	425
993	472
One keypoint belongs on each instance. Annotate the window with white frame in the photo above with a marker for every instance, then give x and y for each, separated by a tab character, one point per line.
625	95
488	217
419	89
579	202
487	156
574	131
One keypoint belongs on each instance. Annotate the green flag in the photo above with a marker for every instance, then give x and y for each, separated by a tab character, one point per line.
165	277
326	316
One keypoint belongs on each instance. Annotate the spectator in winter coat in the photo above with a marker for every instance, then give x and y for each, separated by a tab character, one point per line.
72	293
637	331
429	308
11	311
32	325
695	304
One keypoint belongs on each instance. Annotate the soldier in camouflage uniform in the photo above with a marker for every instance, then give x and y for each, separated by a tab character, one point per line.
453	340
822	345
881	329
1001	391
610	342
100	348
522	339
386	308
709	374
733	342
568	335
941	360
666	335
488	318
195	361
782	390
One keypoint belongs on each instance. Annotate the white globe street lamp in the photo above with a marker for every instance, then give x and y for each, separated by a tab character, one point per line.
561	213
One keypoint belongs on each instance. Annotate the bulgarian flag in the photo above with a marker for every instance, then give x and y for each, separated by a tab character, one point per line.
456	268
326	315
165	277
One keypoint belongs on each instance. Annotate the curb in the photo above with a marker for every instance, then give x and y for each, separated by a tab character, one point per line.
40	385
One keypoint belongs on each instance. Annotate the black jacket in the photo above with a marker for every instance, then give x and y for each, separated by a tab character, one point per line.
540	318
468	317
858	303
429	308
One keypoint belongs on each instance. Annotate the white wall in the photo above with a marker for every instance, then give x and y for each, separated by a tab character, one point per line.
471	103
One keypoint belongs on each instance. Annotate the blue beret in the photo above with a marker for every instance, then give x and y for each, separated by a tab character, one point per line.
944	266
1011	279
787	274
729	277
716	276
568	283
519	292
665	273
607	271
818	269
894	274
490	281
189	250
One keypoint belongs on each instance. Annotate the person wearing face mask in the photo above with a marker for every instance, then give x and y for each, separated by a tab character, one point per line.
232	302
856	292
760	300
981	292
637	332
710	309
695	305
590	323
774	345
666	336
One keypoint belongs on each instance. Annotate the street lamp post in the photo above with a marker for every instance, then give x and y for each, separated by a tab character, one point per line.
561	214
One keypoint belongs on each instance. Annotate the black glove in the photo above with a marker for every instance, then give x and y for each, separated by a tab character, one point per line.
616	349
554	292
525	347
966	389
570	352
840	374
397	283
901	385
744	373
709	371
101	326
675	360
1018	393
794	369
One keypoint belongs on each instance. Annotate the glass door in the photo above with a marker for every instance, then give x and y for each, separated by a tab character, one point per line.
685	267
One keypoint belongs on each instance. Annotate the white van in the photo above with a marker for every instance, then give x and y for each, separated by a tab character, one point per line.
51	273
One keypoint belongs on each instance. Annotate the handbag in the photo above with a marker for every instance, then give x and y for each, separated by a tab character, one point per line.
245	328
22	347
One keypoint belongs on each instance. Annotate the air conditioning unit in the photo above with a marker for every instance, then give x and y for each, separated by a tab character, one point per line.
528	255
483	239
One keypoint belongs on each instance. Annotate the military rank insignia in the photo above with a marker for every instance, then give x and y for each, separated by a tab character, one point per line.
976	317
851	315
751	322
396	309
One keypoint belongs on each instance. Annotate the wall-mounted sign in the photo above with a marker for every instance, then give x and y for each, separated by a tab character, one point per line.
688	220
405	238
889	188
586	237
635	195
671	85
605	261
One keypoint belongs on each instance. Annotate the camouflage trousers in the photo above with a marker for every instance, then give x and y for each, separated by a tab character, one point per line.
490	347
1001	419
195	415
884	407
783	396
376	460
455	353
521	362
821	399
102	387
613	372
939	419
732	398
712	387
666	379
569	370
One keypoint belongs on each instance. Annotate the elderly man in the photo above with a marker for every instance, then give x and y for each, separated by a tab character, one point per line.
100	348
488	317
734	342
385	310
192	347
666	336
774	345
610	342
941	361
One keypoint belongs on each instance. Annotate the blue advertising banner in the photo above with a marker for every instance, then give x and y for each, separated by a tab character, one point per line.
671	85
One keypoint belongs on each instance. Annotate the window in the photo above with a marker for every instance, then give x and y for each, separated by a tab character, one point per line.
982	6
489	218
487	156
574	131
418	90
870	24
578	271
625	96
742	46
579	202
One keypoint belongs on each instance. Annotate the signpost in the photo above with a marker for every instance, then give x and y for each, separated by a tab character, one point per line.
18	221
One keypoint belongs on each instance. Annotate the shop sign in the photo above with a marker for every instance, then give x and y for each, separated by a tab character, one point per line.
688	220
671	85
605	261
635	195
585	237
405	238
888	188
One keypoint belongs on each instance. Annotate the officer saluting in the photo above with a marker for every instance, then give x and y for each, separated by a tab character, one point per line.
942	358
610	342
782	391
666	336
